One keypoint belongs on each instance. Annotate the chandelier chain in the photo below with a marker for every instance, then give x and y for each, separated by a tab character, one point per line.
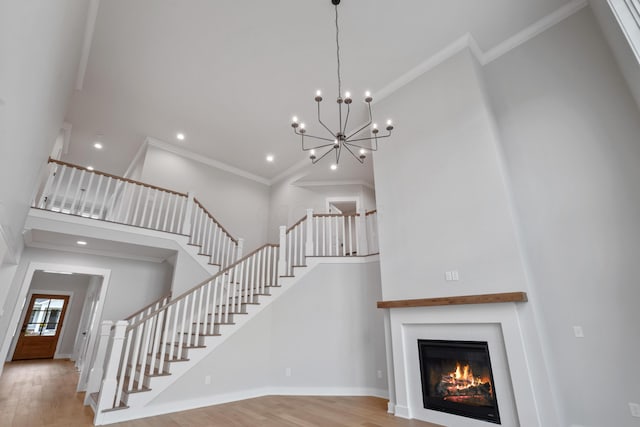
338	54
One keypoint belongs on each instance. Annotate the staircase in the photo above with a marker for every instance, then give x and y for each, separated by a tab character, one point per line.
139	357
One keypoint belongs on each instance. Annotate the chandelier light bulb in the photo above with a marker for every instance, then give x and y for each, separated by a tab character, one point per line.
363	151
295	119
318	92
312	152
302	125
389	122
334	167
367	94
347	94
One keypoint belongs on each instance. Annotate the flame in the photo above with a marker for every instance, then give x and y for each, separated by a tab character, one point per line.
463	377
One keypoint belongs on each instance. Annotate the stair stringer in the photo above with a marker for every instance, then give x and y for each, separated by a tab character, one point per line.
137	403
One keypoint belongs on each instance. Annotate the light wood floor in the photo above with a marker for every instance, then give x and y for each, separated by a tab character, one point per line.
42	393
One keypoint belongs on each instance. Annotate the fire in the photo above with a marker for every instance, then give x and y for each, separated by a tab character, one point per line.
462	378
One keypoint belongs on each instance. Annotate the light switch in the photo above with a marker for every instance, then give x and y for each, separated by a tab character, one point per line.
578	332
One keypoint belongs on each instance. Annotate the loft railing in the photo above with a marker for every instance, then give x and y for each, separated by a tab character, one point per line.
75	190
328	235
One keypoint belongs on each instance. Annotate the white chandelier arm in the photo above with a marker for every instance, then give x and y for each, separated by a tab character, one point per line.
351	141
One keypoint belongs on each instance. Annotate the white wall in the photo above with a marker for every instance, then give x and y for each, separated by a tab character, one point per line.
570	130
133	284
241	205
40	45
76	285
442	198
327	329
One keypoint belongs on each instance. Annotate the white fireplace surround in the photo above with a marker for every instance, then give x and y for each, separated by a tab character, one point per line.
497	324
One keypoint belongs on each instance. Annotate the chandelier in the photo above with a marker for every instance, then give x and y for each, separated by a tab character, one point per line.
355	142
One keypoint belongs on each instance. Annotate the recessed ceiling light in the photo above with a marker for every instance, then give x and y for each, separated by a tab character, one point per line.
97	145
180	136
270	158
89	168
334	167
81	243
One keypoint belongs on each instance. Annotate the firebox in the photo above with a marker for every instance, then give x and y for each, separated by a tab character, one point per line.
457	378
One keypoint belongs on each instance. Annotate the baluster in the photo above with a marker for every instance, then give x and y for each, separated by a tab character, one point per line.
161	213
217	305
47	186
156	342
56	192
196	334
323	220
174	329
192	305
75	201
350	235
122	370
138	331
164	342
86	194
175	200
102	213
361	234
168	211
92	207
207	310
150	325
344	235
207	233
182	328
128	192
282	260
66	192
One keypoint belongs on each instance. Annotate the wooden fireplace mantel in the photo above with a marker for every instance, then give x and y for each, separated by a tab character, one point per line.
465	299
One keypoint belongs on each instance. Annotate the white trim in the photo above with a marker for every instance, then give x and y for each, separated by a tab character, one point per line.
402	412
141	150
467	41
98	252
89	29
66	130
26	283
205	160
533	30
333	183
621	9
62	356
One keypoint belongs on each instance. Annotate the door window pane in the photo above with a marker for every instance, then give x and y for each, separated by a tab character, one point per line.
45	317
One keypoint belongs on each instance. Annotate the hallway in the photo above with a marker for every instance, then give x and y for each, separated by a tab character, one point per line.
39	393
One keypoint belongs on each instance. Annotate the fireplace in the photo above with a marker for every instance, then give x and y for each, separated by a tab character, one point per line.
457	378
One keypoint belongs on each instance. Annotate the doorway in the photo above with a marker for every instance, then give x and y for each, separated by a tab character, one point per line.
41	327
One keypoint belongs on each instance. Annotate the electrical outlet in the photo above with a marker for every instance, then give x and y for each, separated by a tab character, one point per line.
635	409
578	332
451	276
207	379
287	372
379	374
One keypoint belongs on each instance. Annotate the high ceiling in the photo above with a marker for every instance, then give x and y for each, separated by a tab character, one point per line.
230	74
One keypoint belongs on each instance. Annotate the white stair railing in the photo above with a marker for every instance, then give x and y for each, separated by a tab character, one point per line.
75	190
212	237
147	346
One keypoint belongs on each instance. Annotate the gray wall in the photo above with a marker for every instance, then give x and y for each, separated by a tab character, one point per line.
571	135
326	329
40	45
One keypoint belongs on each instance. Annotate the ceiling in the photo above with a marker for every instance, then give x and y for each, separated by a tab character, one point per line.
230	74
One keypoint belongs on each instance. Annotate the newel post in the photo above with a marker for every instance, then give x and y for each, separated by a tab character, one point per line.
308	250
361	233
110	382
282	257
97	370
240	248
186	224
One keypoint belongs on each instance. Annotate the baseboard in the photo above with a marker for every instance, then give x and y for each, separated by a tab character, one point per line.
391	408
185	405
402	412
62	356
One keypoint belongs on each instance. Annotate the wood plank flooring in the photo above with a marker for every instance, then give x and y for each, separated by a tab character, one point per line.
42	393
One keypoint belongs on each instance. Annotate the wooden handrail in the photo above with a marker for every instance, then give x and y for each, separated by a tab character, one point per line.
300	221
199	285
153	187
149	305
371	212
197	202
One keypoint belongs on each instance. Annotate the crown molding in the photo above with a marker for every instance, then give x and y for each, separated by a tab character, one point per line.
533	30
153	142
468	42
89	29
334	183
